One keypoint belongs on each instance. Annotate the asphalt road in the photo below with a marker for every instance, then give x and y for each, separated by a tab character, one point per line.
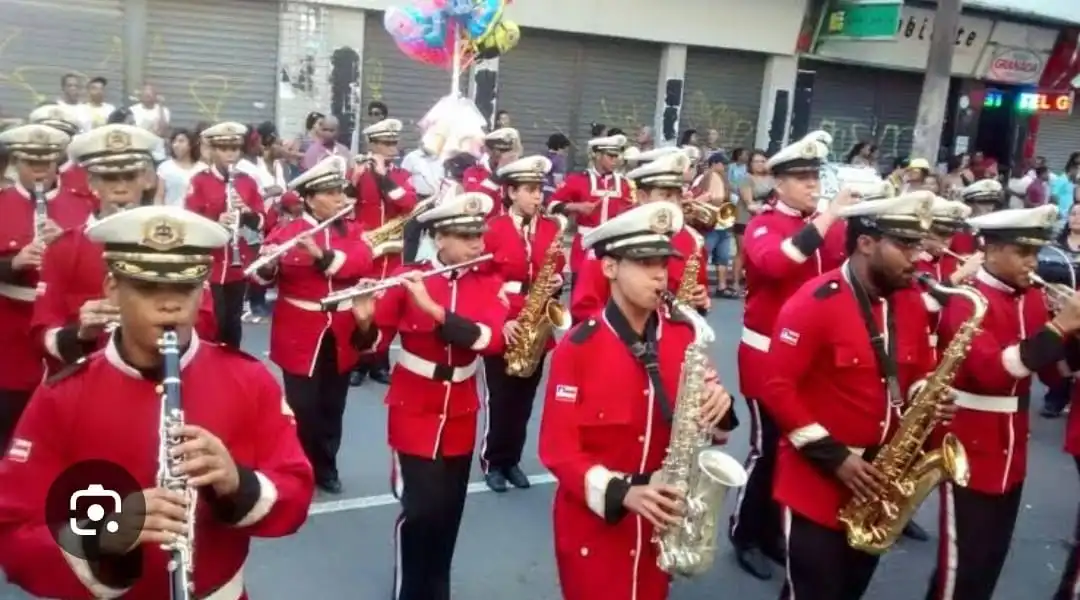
345	549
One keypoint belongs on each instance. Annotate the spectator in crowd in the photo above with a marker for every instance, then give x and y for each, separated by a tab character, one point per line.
712	144
755	193
645	140
151	114
1038	189
70	86
558	147
1063	185
932	183
95	112
502	119
597	130
863	154
175	173
325	144
688	137
377	111
737	170
715	188
426	171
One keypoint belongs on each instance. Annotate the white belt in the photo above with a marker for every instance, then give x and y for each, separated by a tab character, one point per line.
856	450
995	404
512	287
308	305
755	340
933	340
232	590
425	368
18	292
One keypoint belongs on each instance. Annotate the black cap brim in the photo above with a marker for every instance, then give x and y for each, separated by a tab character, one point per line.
644	252
797	166
464	229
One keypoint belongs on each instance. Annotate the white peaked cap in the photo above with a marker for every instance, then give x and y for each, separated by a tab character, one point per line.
983	189
805	155
464	213
328	173
387	129
227	131
611	143
950	210
906	215
531	169
644	231
1026	226
665	172
114	148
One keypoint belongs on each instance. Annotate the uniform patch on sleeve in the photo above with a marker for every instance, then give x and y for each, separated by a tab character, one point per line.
20	450
789	337
760	231
566	393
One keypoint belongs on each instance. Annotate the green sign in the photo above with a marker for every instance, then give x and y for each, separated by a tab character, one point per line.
862	20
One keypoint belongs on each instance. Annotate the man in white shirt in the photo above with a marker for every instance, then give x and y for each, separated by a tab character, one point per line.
70	86
95	112
427	173
150	114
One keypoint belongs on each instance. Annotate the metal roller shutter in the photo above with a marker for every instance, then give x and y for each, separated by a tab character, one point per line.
214	60
896	111
408	88
35	52
723	92
1059	136
537	86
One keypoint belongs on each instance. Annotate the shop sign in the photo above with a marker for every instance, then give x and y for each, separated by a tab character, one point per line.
1044	102
1004	64
863	20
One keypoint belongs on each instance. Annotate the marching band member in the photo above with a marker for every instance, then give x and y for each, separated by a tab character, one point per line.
503	147
785	246
604	437
949	221
71	315
445	322
836	396
660	180
520	241
593	196
72	176
211	194
27	226
245	463
383	192
314	347
993	387
983	196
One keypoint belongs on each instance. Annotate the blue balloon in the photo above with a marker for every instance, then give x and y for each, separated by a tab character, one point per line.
483	15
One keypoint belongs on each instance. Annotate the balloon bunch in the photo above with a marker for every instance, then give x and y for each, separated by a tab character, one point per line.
432	31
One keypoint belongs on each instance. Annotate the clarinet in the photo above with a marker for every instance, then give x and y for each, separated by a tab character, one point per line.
41	210
181	550
231	206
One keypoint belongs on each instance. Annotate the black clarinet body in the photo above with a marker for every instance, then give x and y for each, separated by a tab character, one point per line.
181	551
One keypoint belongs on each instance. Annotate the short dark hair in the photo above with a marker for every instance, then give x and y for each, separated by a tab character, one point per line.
119	116
615	131
855	229
64	78
501	112
192	138
99	79
558	141
379	106
597	129
312	118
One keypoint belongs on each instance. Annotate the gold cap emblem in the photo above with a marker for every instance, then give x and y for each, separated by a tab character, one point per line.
39	136
661	221
539	166
924	212
472	206
163	234
809	150
117	141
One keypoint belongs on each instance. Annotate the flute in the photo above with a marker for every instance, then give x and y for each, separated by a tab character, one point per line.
280	251
362	290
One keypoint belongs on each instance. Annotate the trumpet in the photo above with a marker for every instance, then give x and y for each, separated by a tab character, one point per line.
280	251
703	214
365	289
1057	294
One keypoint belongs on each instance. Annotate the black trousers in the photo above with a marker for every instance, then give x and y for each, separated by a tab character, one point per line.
1069	588
510	405
229	310
432	495
12	405
821	564
756	520
976	532
319	405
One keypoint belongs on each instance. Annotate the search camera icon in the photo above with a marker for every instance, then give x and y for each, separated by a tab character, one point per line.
91	499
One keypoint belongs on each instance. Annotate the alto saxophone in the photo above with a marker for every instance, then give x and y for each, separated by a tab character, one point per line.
389	238
702	473
181	563
540	316
913	472
689	283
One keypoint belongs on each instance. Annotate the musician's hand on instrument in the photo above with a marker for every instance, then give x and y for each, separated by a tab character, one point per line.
378	162
29	257
363	307
581	208
227	218
658	503
865	481
306	242
94	317
272	191
946	408
716	404
846	197
267	249
50	231
414	284
511	330
1067	318
206	460
700	297
968	269
159	515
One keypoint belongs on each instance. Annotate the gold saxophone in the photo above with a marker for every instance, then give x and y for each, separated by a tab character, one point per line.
690	273
912	471
389	238
540	316
702	473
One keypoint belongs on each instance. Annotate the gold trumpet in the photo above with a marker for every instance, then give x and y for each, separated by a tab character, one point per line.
1057	294
709	216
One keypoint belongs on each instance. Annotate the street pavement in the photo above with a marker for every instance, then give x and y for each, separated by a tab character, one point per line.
345	550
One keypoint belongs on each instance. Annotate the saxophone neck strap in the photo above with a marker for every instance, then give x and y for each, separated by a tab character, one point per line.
884	345
644	348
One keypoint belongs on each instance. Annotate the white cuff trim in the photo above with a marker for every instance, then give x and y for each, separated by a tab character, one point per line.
336	264
552	204
930	303
484	340
790	251
915	389
596	484
50	343
808	434
489	184
268	496
396	194
1010	359
82	570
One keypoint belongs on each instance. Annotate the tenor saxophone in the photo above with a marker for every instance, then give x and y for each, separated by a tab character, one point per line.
540	316
691	271
181	551
702	473
912	471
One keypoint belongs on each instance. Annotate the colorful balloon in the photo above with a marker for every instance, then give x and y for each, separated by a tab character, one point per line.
502	38
422	32
485	14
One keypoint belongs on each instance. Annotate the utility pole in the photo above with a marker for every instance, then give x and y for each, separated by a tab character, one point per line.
935	91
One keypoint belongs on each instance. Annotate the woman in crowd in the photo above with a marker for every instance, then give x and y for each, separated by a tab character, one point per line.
863	154
754	193
960	175
175	173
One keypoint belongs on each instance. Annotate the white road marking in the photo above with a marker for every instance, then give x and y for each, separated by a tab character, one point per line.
336	506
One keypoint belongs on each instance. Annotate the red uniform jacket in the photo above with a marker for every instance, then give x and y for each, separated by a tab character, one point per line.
610	192
478	178
426	417
519	257
300	324
69	420
964	243
596	427
21	368
379	199
825	386
207	196
992	386
591	289
73	177
73	273
782	253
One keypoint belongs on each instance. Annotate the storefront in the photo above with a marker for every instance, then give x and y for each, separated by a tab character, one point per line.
1059	129
723	92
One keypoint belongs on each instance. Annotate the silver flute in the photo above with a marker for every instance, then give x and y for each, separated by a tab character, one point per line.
41	211
181	550
365	289
280	251
232	204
